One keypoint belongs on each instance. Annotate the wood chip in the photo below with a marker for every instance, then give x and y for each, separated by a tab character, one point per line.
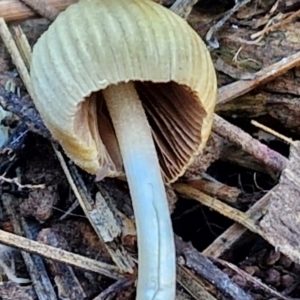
281	224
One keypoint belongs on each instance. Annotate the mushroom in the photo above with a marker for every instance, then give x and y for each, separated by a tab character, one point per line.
129	84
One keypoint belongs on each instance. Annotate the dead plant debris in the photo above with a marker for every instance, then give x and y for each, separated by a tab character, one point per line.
235	209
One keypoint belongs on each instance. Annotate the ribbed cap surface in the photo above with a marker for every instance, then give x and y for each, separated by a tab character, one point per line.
95	43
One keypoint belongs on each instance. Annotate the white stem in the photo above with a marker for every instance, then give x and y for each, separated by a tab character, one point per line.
157	274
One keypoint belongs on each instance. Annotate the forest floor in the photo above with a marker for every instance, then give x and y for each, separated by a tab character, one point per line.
235	211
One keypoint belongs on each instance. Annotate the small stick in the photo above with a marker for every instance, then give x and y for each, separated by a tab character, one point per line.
241	87
192	283
63	275
34	263
14	10
43	8
216	189
273	132
36	266
15	54
205	268
115	288
255	281
183	7
210	35
19	185
217	205
59	255
120	258
23	45
237	136
234	232
275	26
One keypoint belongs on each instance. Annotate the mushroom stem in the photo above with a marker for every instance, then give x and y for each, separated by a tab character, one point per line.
156	250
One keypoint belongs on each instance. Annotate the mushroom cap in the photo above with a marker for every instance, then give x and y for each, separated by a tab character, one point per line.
96	43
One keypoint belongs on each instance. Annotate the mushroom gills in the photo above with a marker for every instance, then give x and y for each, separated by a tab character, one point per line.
175	118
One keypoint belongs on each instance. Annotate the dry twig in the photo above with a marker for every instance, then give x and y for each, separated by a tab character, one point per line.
183	7
34	264
216	189
119	256
22	44
237	136
59	255
256	282
290	17
113	289
15	54
222	208
210	36
280	225
192	283
14	10
235	232
241	87
272	132
205	268
64	276
19	185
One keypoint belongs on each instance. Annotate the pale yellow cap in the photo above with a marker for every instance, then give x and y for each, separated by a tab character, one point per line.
96	43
